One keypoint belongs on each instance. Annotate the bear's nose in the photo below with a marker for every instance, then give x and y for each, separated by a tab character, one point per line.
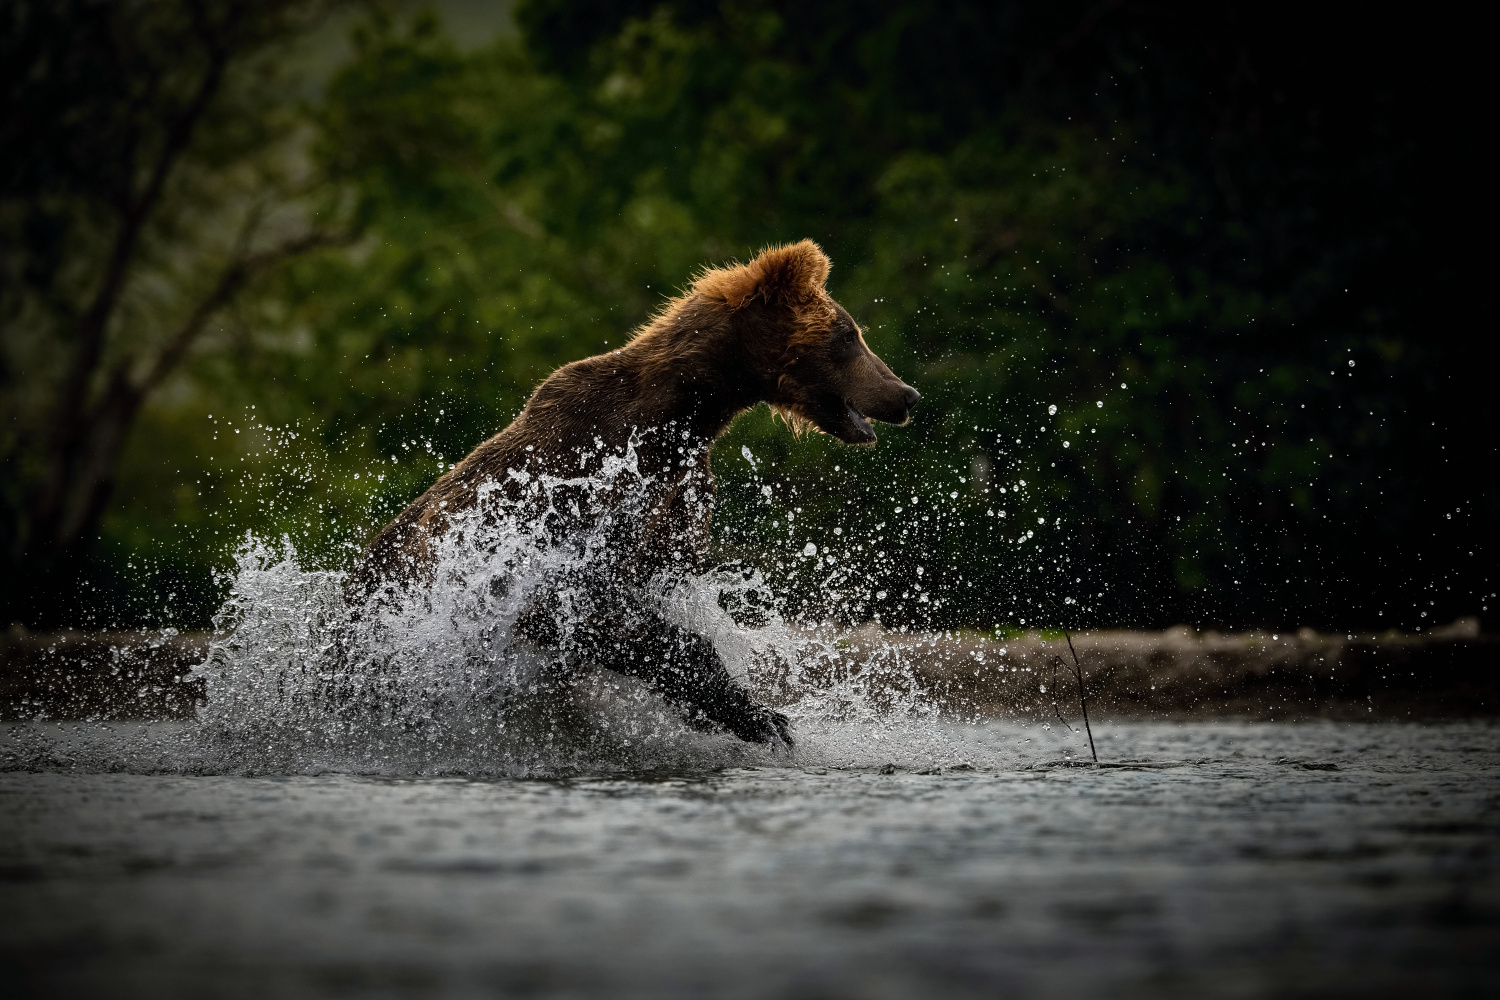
910	396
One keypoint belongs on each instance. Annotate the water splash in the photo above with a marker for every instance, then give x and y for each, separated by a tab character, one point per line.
439	677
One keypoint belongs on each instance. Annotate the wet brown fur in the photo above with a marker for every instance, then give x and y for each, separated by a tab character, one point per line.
764	331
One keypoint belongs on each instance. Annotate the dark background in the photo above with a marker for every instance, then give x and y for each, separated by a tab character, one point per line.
264	265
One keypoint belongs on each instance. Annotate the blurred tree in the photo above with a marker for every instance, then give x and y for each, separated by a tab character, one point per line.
152	171
1185	291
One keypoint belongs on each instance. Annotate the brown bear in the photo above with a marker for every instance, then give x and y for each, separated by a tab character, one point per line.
766	331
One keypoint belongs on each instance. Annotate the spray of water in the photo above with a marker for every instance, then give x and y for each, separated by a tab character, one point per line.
438	674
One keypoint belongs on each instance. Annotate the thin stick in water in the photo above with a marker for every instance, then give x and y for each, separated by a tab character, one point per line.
1056	710
1082	698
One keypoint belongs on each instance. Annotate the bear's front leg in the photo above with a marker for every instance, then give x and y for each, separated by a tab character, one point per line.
685	669
680	666
603	622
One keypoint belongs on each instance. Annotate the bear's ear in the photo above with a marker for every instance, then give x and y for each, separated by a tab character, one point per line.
793	273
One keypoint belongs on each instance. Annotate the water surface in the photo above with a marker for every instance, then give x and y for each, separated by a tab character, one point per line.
1226	860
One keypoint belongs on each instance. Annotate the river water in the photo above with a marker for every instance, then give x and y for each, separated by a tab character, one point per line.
1214	859
411	798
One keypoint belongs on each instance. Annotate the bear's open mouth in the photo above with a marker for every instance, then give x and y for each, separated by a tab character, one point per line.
862	429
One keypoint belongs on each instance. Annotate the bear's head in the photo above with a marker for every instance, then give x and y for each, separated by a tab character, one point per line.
818	370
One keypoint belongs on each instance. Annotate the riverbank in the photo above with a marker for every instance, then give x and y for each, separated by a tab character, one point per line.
1448	672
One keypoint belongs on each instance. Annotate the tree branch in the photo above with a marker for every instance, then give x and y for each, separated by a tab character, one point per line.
233	278
69	421
107	425
94	325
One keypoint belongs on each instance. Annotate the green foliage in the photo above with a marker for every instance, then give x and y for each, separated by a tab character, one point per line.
154	169
1140	317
